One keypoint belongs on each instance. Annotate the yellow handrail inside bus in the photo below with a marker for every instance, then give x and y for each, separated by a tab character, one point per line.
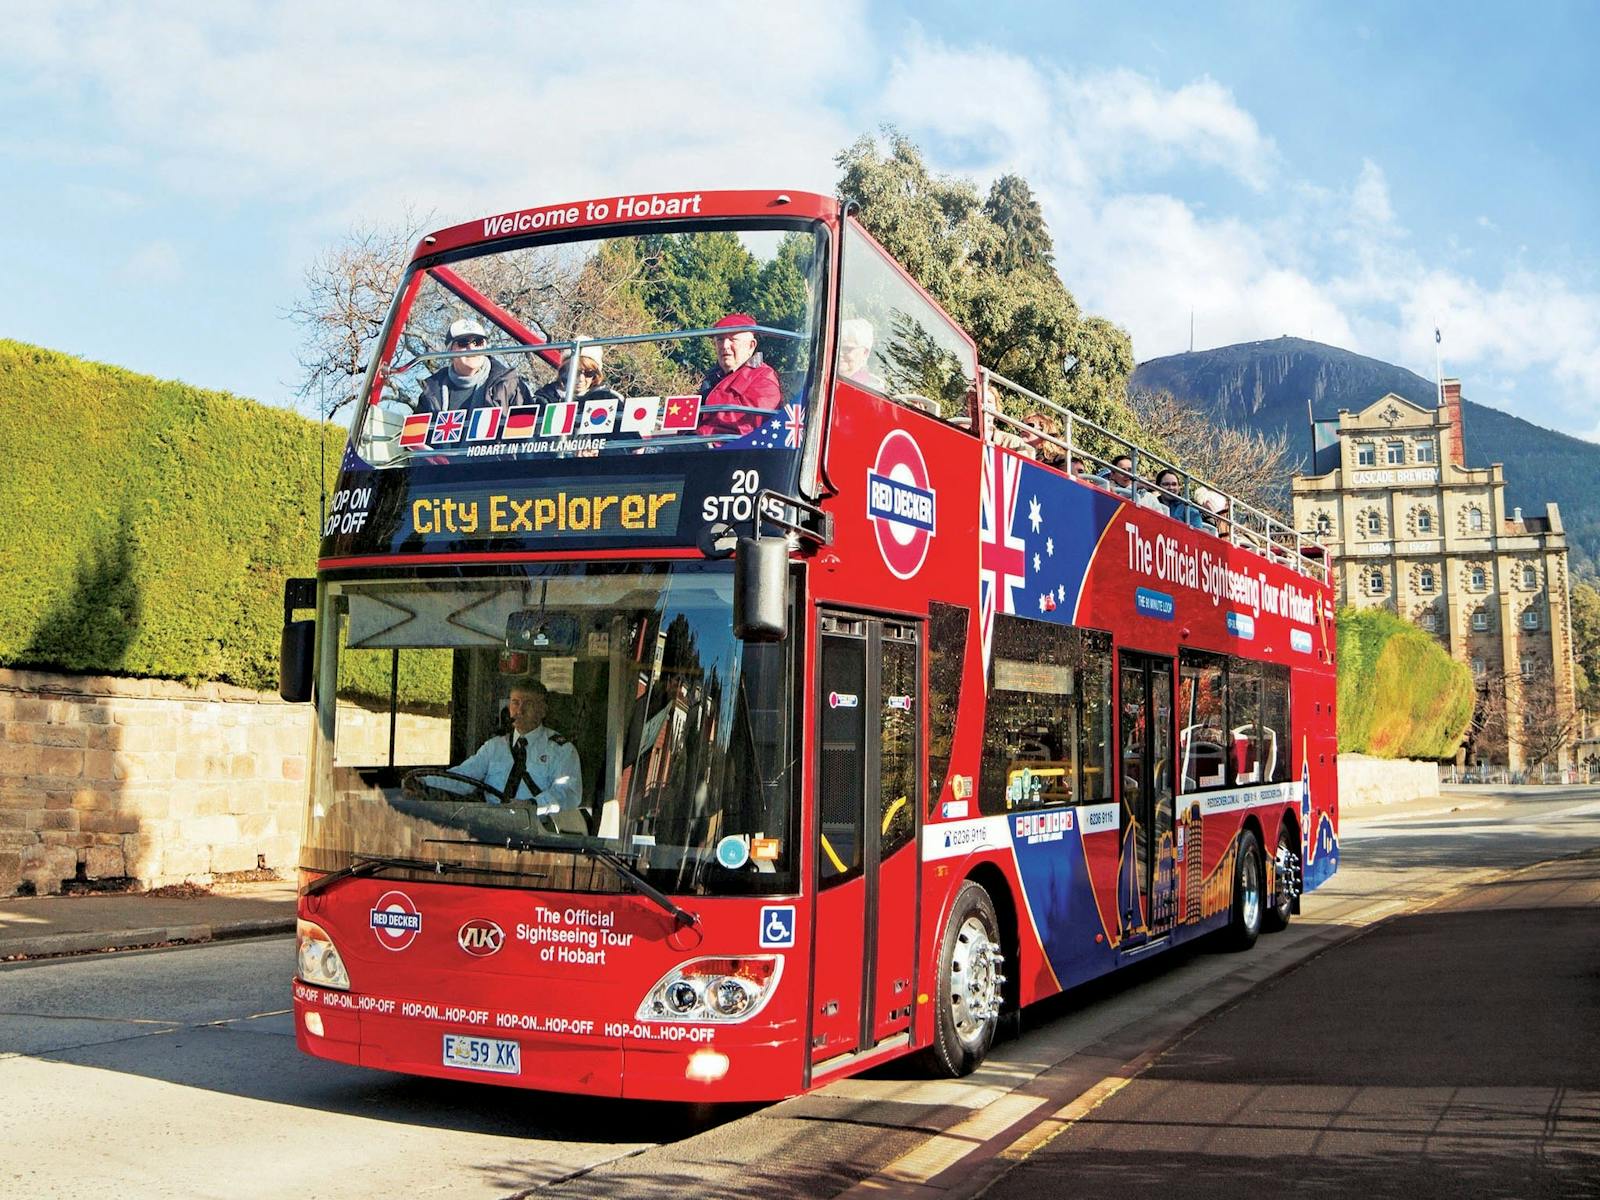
838	863
893	809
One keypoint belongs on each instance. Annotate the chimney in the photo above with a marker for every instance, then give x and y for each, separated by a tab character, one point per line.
1453	450
1516	514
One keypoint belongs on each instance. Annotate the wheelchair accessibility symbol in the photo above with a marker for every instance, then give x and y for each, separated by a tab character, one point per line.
777	926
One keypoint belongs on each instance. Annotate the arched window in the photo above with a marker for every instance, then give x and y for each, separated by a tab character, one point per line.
1530	577
1530	619
1474	519
1394	453
1424	521
1374	524
1425	579
1425	451
1429	620
1478	579
1480	621
1376	583
1477	666
1324	524
1365	454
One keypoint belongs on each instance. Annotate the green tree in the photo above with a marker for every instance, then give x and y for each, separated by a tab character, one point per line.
990	264
1586	644
1024	238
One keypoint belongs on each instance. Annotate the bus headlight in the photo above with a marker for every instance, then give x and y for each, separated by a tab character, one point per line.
713	989
318	957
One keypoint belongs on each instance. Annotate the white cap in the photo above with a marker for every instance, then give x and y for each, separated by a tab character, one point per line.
466	327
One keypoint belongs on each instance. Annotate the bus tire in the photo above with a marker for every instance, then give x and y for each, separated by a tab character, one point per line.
1276	916
1248	902
970	985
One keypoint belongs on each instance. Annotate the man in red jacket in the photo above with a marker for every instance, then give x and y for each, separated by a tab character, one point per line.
740	378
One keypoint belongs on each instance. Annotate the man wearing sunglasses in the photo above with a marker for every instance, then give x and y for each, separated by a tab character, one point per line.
471	380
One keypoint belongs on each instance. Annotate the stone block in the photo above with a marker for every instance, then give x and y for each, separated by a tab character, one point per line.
21	818
10	872
189	764
104	862
151	737
243	766
48	735
146	767
16	839
60	818
29	708
108	821
233	857
47	867
100	765
294	767
185	861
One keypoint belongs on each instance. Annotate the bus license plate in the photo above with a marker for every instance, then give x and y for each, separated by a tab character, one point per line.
482	1054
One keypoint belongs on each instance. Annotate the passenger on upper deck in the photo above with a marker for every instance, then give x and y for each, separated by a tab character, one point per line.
1172	487
473	380
1042	436
856	336
589	383
739	378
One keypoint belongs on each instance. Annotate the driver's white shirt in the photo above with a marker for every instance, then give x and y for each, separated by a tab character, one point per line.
552	765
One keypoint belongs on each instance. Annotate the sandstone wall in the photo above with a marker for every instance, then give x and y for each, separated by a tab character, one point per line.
104	778
1366	783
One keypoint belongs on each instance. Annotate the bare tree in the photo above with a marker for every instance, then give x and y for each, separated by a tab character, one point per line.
348	288
559	294
1540	728
1253	467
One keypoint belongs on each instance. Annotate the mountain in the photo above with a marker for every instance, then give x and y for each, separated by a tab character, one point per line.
1265	385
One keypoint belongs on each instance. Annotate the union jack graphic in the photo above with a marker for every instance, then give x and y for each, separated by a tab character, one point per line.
447	427
794	419
1002	556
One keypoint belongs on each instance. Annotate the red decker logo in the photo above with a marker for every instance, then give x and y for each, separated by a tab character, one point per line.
481	938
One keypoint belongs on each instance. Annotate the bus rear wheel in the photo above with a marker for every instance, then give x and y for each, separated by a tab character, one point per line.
1285	881
970	985
1248	900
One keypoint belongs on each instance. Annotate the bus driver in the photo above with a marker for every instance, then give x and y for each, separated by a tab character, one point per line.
532	762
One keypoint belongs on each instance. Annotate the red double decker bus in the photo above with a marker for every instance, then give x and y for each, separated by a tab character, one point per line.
720	688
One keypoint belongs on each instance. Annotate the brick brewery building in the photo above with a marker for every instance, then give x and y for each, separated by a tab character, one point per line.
1414	530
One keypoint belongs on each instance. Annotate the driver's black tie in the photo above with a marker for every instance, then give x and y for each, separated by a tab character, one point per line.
519	768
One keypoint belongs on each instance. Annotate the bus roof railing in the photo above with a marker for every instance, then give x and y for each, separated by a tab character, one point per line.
1228	517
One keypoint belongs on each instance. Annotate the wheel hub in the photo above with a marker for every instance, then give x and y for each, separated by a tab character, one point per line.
975	979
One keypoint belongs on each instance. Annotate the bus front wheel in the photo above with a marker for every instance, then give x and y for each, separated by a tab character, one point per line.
970	983
1248	894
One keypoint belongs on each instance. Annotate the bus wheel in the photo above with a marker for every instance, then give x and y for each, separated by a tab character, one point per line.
1285	881
969	984
1248	900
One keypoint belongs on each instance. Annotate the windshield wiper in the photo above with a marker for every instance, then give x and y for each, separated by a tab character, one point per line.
363	865
372	864
632	879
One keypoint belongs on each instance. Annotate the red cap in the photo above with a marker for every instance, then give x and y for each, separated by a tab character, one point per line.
735	319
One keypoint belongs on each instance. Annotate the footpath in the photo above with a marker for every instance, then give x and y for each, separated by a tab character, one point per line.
46	926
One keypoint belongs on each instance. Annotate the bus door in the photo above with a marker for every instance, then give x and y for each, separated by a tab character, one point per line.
868	801
1147	881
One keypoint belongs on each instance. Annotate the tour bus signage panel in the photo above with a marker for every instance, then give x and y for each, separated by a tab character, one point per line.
496	504
567	508
646	206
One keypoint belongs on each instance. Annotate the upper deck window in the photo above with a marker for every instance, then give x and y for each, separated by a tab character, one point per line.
893	340
685	337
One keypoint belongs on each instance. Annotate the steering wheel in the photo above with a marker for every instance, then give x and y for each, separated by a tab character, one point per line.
416	786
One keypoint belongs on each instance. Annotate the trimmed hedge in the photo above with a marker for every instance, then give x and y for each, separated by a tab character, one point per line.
149	525
1400	694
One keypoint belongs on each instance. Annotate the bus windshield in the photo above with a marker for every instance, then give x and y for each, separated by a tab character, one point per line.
647	731
675	338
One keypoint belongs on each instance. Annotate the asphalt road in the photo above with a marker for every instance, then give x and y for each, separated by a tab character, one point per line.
174	1072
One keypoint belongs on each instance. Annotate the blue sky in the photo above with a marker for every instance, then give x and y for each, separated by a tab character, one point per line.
1353	173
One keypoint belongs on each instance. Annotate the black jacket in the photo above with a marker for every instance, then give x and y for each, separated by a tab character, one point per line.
503	386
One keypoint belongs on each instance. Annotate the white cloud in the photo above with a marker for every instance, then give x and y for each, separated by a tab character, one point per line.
333	115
